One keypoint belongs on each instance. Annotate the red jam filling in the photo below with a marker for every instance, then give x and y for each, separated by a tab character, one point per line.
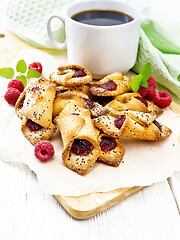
157	125
79	73
34	89
89	102
110	86
61	91
81	147
102	100
119	120
33	126
107	144
21	103
142	100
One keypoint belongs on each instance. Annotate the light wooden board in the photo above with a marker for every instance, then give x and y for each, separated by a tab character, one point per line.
81	207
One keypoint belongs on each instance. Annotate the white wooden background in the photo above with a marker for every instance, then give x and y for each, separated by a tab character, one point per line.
28	214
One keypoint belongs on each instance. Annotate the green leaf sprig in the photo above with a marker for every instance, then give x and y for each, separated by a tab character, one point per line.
22	72
141	78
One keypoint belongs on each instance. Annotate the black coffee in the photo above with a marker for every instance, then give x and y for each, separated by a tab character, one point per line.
102	17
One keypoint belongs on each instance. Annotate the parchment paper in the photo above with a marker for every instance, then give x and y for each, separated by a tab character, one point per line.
144	162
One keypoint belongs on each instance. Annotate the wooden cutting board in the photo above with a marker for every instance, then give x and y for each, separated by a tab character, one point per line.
81	207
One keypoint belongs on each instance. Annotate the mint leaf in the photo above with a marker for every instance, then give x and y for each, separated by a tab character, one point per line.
7	73
21	66
135	82
31	73
178	78
23	79
146	72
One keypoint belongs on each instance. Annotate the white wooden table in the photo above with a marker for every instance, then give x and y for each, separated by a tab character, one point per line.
26	213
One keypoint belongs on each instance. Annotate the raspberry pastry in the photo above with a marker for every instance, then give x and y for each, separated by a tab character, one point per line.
71	75
36	102
35	132
124	126
61	100
143	118
112	150
81	148
134	101
111	85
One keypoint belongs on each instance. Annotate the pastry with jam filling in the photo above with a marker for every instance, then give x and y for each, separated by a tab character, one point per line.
112	150
61	100
71	75
37	102
111	85
134	101
35	132
35	108
125	126
80	146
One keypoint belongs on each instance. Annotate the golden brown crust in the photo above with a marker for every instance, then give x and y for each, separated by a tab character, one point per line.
151	132
122	83
19	104
98	110
78	90
65	73
38	102
74	122
106	124
143	118
114	156
131	128
65	98
130	101
36	136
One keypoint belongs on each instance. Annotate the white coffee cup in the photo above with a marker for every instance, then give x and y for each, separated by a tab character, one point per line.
101	49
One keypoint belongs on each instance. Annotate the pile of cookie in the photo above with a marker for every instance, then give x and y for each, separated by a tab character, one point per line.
93	116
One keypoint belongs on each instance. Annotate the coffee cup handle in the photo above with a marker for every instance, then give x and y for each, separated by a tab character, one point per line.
50	34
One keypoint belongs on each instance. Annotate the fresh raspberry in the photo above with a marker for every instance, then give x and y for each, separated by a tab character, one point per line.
151	82
44	150
143	91
162	99
15	83
150	91
11	96
147	93
36	66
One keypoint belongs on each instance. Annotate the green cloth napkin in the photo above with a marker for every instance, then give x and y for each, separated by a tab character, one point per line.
159	37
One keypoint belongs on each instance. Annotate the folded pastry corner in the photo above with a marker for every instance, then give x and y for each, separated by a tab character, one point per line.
111	85
81	148
71	75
